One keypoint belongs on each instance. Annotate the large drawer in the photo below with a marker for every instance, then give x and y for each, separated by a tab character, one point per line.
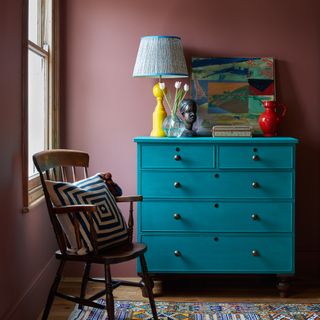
216	216
177	184
225	253
255	157
177	156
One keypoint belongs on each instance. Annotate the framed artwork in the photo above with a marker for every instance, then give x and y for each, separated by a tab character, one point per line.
230	91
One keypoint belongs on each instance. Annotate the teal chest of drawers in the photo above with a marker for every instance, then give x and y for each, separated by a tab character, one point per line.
217	205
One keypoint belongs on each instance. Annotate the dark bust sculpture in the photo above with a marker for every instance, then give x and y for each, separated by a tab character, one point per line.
188	110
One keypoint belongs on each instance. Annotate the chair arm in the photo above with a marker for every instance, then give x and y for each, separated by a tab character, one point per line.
135	198
74	208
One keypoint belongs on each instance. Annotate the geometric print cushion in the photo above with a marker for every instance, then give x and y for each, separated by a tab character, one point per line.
109	224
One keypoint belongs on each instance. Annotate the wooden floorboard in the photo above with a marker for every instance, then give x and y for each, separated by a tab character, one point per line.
230	290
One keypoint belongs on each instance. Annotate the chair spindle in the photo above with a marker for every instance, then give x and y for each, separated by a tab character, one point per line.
73	173
85	172
130	222
55	174
77	231
63	174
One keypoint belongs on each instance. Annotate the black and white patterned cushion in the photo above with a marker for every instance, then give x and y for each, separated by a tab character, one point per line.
109	224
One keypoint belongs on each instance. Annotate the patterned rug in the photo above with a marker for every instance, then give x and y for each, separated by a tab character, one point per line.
203	311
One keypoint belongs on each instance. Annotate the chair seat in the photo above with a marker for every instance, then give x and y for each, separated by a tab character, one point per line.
108	256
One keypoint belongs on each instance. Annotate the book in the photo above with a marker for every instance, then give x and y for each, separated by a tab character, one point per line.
231	131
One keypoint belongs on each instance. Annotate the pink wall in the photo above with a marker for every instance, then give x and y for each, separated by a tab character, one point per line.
26	240
104	107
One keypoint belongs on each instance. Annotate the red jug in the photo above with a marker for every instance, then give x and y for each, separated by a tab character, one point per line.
269	120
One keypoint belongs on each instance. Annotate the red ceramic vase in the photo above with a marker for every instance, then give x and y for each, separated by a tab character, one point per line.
269	120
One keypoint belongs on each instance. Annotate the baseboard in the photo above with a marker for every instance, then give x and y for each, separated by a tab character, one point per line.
30	304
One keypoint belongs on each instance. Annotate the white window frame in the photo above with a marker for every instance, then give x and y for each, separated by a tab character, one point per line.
32	190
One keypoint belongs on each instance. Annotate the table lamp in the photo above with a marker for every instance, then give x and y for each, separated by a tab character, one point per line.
160	57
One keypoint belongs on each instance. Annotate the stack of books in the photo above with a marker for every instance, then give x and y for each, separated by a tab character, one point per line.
231	131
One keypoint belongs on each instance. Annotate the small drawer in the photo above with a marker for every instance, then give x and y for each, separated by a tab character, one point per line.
226	253
216	216
177	156
255	157
175	185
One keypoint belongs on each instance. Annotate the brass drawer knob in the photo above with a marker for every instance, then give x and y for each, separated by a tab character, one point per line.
177	216
177	253
254	216
255	253
255	185
177	184
177	157
255	157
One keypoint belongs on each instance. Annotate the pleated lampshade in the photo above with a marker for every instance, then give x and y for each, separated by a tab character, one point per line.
160	56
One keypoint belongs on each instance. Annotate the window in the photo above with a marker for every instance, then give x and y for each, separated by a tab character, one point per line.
40	82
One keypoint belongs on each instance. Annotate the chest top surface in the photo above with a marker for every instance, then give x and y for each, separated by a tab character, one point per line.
227	140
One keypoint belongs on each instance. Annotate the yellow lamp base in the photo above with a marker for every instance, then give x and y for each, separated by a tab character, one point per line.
159	113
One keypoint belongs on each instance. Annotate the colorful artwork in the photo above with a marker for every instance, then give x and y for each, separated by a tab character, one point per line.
230	91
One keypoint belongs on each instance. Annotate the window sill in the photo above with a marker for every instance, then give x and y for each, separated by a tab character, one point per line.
36	197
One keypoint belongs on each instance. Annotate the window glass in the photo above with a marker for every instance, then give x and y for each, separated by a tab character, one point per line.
37	110
34	21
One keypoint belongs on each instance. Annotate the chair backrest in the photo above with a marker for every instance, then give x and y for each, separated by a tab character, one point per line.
60	165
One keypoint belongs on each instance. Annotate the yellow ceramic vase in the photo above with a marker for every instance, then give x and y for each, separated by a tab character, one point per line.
159	113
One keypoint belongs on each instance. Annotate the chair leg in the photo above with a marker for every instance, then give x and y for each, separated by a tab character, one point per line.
85	277
148	285
53	290
109	294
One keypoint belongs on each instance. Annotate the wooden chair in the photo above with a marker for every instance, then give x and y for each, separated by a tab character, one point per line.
53	165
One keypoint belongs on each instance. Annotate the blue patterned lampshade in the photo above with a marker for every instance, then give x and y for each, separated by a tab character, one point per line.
160	56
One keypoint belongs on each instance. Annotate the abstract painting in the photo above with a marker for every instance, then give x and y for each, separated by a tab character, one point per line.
230	91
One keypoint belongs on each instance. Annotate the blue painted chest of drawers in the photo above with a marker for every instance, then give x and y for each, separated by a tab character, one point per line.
217	205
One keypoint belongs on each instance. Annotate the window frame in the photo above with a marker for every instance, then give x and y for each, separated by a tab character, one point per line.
32	190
